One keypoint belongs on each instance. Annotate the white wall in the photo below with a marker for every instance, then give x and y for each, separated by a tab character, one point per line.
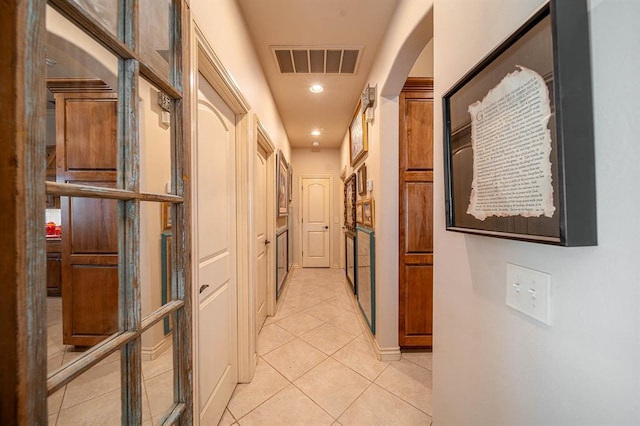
493	365
155	172
323	162
408	33
223	26
424	64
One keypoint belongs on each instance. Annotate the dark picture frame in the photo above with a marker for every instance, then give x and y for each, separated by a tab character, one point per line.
282	185
358	137
554	45
350	203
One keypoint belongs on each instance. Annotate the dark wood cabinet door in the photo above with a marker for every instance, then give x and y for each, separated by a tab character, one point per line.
54	273
416	214
86	152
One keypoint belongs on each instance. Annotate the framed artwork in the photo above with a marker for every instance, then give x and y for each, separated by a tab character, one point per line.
350	203
518	142
358	142
359	212
165	216
362	179
283	186
365	276
367	213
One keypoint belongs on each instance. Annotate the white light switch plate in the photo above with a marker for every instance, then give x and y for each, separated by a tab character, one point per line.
529	292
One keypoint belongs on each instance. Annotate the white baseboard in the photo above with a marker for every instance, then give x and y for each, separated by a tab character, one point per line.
383	354
387	354
149	354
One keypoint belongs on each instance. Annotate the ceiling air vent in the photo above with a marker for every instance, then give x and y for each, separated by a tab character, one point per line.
316	60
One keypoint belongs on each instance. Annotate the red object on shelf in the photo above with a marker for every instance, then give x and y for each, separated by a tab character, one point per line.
53	230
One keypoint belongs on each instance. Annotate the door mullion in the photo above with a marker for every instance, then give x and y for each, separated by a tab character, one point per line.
129	230
181	157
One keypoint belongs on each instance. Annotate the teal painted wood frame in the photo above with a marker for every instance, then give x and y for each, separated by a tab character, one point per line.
365	263
165	254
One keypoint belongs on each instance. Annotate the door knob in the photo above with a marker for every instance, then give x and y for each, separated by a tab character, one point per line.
267	242
203	287
326	227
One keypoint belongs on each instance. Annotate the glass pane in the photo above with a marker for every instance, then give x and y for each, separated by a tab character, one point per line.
77	58
82	276
155	140
93	398
81	233
103	11
157	276
154	34
157	373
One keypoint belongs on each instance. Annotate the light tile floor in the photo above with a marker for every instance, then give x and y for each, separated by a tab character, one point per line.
316	365
94	397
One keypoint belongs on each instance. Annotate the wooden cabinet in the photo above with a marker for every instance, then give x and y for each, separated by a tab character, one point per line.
54	268
86	153
416	214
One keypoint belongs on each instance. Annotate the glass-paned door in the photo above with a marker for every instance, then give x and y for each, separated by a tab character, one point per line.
117	295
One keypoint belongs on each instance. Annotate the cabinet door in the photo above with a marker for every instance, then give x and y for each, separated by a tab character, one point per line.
416	215
54	274
86	151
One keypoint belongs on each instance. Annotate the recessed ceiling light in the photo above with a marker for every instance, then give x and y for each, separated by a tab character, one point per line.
316	88
315	143
315	132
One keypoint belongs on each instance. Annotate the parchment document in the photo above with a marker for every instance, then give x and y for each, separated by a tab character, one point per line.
511	148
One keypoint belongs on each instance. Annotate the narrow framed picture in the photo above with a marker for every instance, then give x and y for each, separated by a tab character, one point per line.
165	216
358	142
367	213
362	179
359	213
282	177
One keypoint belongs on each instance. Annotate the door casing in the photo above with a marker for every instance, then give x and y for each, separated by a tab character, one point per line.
205	61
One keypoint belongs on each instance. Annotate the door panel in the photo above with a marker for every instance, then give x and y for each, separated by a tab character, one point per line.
215	253
316	234
93	302
261	174
419	224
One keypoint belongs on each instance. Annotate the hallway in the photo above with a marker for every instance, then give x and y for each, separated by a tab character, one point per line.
316	365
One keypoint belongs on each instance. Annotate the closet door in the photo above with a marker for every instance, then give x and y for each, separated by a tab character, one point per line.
416	214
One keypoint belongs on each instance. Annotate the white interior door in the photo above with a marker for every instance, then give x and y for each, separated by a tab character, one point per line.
215	247
316	231
262	241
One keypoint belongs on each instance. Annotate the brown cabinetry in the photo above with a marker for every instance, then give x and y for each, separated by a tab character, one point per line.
86	153
416	214
54	268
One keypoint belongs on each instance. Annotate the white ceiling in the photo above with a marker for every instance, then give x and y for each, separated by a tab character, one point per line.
322	23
